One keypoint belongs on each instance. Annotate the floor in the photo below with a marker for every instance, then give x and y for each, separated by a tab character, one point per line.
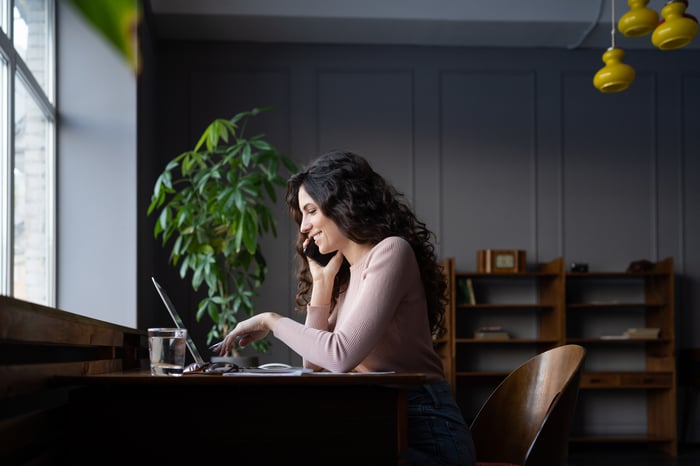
688	455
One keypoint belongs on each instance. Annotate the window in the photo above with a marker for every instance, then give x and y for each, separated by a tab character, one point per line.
27	135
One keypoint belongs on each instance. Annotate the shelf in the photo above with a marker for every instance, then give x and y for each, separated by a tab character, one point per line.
616	341
615	275
501	276
630	438
515	307
627	380
481	375
509	341
574	307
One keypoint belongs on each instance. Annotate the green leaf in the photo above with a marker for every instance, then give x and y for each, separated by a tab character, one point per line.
262	145
236	118
184	266
250	230
214	312
270	189
289	164
203	138
164	218
246	154
176	251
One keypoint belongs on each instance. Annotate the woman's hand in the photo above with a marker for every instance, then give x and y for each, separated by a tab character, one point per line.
323	277
249	330
329	271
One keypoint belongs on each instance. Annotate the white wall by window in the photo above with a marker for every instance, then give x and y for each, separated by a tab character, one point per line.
96	174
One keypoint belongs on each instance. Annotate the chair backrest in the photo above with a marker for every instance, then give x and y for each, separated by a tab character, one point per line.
527	419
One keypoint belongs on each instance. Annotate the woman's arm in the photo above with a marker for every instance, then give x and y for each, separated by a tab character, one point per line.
369	304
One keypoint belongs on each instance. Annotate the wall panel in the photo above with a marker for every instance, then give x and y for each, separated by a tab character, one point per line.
609	180
370	112
209	99
689	285
488	172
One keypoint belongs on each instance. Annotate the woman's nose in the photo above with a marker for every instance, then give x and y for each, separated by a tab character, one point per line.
305	226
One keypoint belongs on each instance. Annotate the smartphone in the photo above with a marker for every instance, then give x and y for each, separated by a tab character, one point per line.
312	252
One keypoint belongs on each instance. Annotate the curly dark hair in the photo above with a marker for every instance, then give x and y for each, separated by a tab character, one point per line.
367	209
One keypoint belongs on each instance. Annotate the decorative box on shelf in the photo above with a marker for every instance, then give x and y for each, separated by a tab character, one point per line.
500	261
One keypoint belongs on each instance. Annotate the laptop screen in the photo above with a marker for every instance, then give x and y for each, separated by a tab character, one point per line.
178	322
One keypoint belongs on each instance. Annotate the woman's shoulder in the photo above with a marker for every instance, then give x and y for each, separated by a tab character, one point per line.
394	243
392	251
395	249
392	255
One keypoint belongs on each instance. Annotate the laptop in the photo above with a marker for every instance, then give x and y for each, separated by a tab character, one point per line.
220	365
199	365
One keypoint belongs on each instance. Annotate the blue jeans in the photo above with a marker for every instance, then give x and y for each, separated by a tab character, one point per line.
437	433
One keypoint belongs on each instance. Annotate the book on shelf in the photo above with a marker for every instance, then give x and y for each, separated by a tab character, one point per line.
643	332
466	291
491	332
470	292
614	337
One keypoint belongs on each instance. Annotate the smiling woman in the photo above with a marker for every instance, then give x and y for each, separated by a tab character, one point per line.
377	303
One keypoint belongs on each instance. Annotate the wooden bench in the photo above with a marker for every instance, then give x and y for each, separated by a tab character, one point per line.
38	343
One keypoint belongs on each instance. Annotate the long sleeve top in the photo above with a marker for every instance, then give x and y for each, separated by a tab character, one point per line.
380	323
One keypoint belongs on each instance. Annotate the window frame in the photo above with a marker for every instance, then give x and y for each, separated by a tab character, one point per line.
13	67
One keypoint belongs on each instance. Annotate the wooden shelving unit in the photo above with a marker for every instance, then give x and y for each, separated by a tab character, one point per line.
599	301
548	307
475	366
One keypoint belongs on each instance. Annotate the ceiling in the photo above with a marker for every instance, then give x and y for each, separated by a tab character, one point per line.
567	24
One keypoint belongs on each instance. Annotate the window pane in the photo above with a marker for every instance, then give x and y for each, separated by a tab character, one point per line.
4	179
32	200
31	37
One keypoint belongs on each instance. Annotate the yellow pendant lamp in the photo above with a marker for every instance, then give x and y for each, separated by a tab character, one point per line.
677	29
615	76
639	21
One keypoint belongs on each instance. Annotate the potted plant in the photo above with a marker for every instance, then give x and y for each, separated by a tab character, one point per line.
214	205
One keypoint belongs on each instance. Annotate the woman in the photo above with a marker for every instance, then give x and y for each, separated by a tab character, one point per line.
378	301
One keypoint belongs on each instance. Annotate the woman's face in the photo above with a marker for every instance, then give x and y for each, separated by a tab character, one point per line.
314	224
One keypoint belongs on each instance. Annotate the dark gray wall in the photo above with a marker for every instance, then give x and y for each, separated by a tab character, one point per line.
496	148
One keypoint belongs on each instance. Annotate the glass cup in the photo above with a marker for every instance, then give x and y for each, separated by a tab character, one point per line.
166	347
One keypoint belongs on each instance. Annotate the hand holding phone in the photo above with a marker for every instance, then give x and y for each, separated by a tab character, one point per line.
312	252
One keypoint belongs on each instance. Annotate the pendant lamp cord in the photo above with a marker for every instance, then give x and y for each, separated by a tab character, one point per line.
612	23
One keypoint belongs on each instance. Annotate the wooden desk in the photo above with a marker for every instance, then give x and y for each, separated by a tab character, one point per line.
72	391
269	420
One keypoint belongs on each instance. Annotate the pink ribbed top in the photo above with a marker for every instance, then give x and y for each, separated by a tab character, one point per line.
380	323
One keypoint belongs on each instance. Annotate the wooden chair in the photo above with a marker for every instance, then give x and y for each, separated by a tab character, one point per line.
527	419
